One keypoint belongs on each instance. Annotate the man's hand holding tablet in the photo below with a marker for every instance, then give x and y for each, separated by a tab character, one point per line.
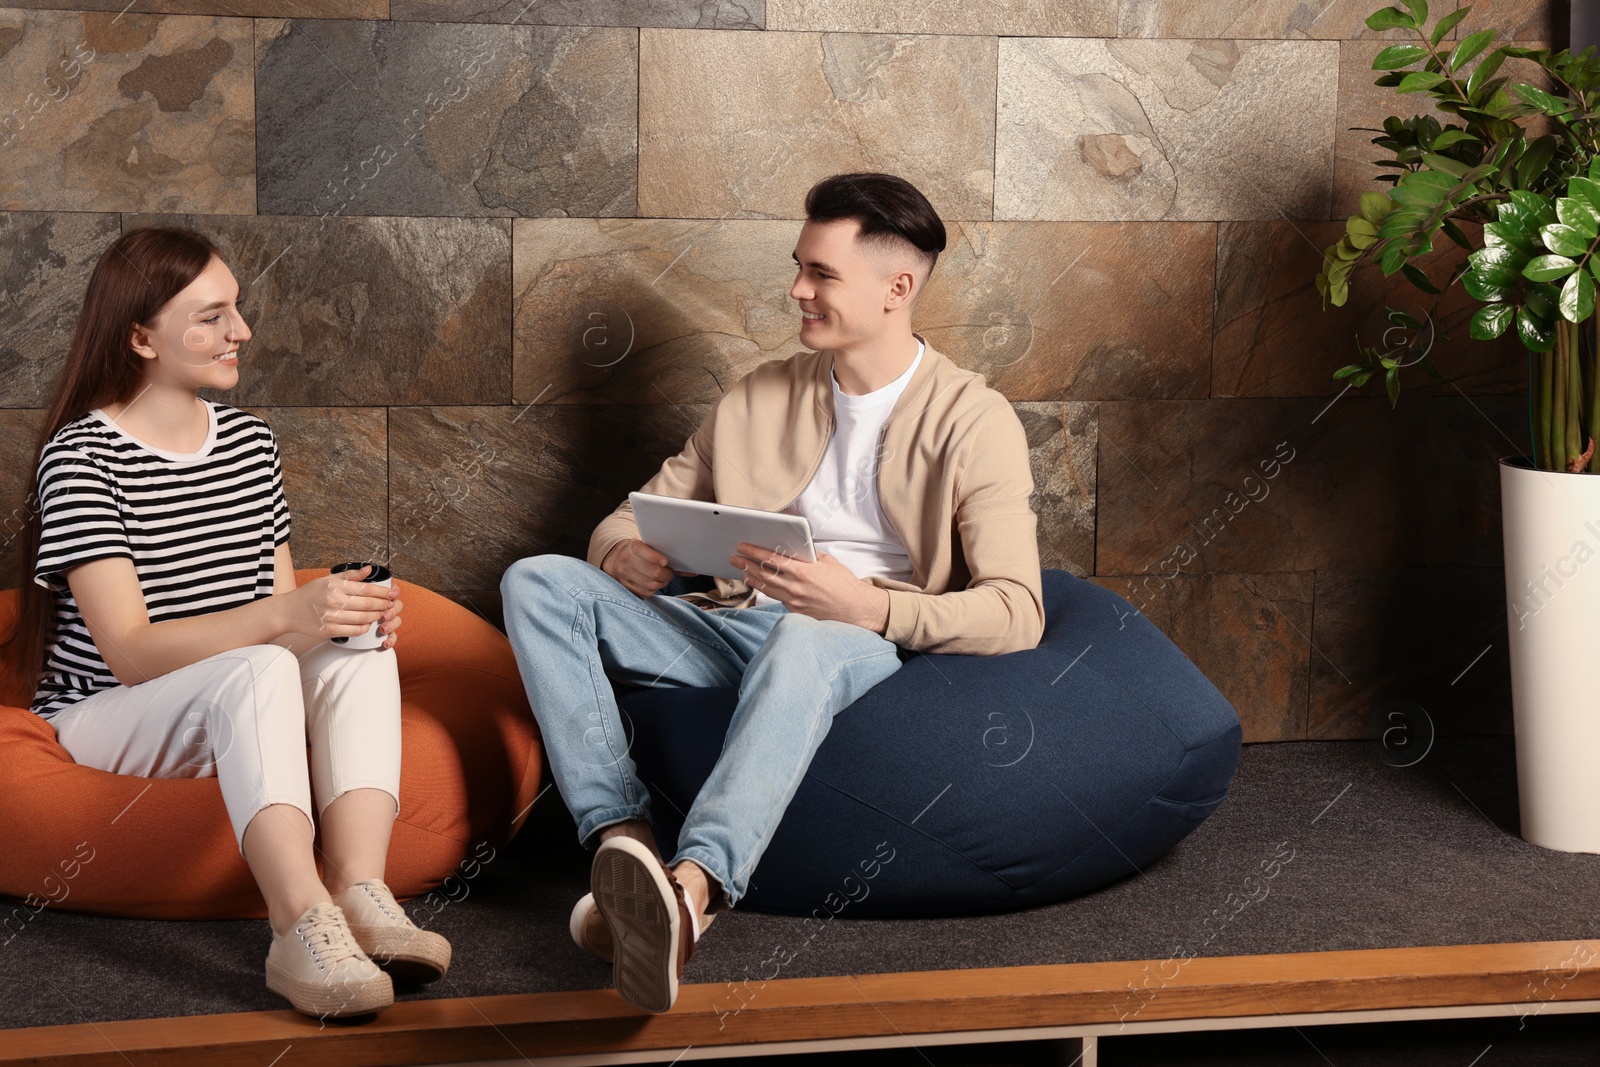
771	552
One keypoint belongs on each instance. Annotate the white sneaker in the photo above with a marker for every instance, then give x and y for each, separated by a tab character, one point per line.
385	933
321	969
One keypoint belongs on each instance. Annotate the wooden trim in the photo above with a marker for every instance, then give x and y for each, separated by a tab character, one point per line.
809	1009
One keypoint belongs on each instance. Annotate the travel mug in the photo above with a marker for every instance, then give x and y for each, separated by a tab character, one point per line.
372	638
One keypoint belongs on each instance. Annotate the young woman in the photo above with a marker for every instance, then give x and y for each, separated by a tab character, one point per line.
167	637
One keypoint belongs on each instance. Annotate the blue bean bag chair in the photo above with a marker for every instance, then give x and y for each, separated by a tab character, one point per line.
969	784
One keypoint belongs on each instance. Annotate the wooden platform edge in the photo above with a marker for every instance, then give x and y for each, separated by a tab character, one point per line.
807	1009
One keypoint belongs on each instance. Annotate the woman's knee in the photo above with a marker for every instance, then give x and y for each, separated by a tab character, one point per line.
265	675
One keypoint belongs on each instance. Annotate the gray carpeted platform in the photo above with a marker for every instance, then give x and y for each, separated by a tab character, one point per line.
1381	857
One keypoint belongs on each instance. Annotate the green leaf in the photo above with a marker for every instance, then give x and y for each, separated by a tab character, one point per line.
1594	169
1564	240
1579	215
1484	71
1469	46
1398	55
1537	335
1417	194
1419	80
1446	24
1360	233
1390	18
1434	179
1535	158
1537	207
1391	385
1445	163
1415	276
1452	231
1541	299
1577	297
1375	207
1419	8
1450	137
1550	105
1587	188
1491	321
1548	268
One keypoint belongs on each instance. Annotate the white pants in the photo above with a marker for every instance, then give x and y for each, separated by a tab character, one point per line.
247	716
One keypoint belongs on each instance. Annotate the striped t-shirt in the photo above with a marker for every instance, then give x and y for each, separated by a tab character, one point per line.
200	528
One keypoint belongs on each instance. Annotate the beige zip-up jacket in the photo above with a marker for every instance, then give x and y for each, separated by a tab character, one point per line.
953	482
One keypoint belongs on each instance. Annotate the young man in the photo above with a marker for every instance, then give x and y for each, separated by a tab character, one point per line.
914	478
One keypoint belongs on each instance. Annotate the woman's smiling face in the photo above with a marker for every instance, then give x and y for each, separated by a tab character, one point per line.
194	340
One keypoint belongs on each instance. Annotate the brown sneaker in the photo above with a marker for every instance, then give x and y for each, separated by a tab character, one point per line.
319	967
590	932
384	932
645	910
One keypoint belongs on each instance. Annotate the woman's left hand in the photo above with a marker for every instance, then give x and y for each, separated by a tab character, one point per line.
391	622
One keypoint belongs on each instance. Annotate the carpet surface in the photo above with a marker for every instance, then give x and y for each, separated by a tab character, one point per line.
1320	846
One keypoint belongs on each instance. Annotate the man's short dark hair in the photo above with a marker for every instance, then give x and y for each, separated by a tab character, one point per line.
888	209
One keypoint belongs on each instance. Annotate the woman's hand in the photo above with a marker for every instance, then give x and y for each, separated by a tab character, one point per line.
337	606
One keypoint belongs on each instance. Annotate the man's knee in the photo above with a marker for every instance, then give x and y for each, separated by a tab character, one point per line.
547	572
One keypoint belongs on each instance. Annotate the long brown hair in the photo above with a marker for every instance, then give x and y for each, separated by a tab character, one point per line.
135	278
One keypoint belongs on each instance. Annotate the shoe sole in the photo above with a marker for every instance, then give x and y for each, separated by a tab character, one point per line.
408	955
331	1000
633	894
592	945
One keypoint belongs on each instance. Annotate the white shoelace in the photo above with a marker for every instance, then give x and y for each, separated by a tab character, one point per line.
327	936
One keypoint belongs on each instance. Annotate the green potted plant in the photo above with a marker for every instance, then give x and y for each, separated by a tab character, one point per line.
1512	174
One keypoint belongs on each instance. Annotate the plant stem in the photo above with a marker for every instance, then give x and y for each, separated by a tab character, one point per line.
1558	401
1541	411
1574	426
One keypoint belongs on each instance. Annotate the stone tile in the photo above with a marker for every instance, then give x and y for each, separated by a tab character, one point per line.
744	124
1246	632
649	311
683	14
1061	454
1085	311
1274	339
49	257
335	477
141	113
1129	129
658	311
368	311
19	455
1519	20
1411	635
397	118
474	489
1283	19
323	9
1275	485
1003	18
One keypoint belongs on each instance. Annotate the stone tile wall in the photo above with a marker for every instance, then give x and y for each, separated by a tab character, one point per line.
500	259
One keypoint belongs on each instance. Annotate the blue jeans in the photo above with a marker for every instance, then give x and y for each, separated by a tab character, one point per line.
575	629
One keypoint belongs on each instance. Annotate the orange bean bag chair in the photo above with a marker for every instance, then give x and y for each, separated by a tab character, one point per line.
161	848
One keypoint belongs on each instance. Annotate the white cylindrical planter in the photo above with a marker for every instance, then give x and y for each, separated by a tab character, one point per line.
1551	524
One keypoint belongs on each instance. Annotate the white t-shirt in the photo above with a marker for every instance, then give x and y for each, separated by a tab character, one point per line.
841	502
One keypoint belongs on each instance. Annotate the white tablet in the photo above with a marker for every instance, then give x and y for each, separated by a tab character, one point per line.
700	537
